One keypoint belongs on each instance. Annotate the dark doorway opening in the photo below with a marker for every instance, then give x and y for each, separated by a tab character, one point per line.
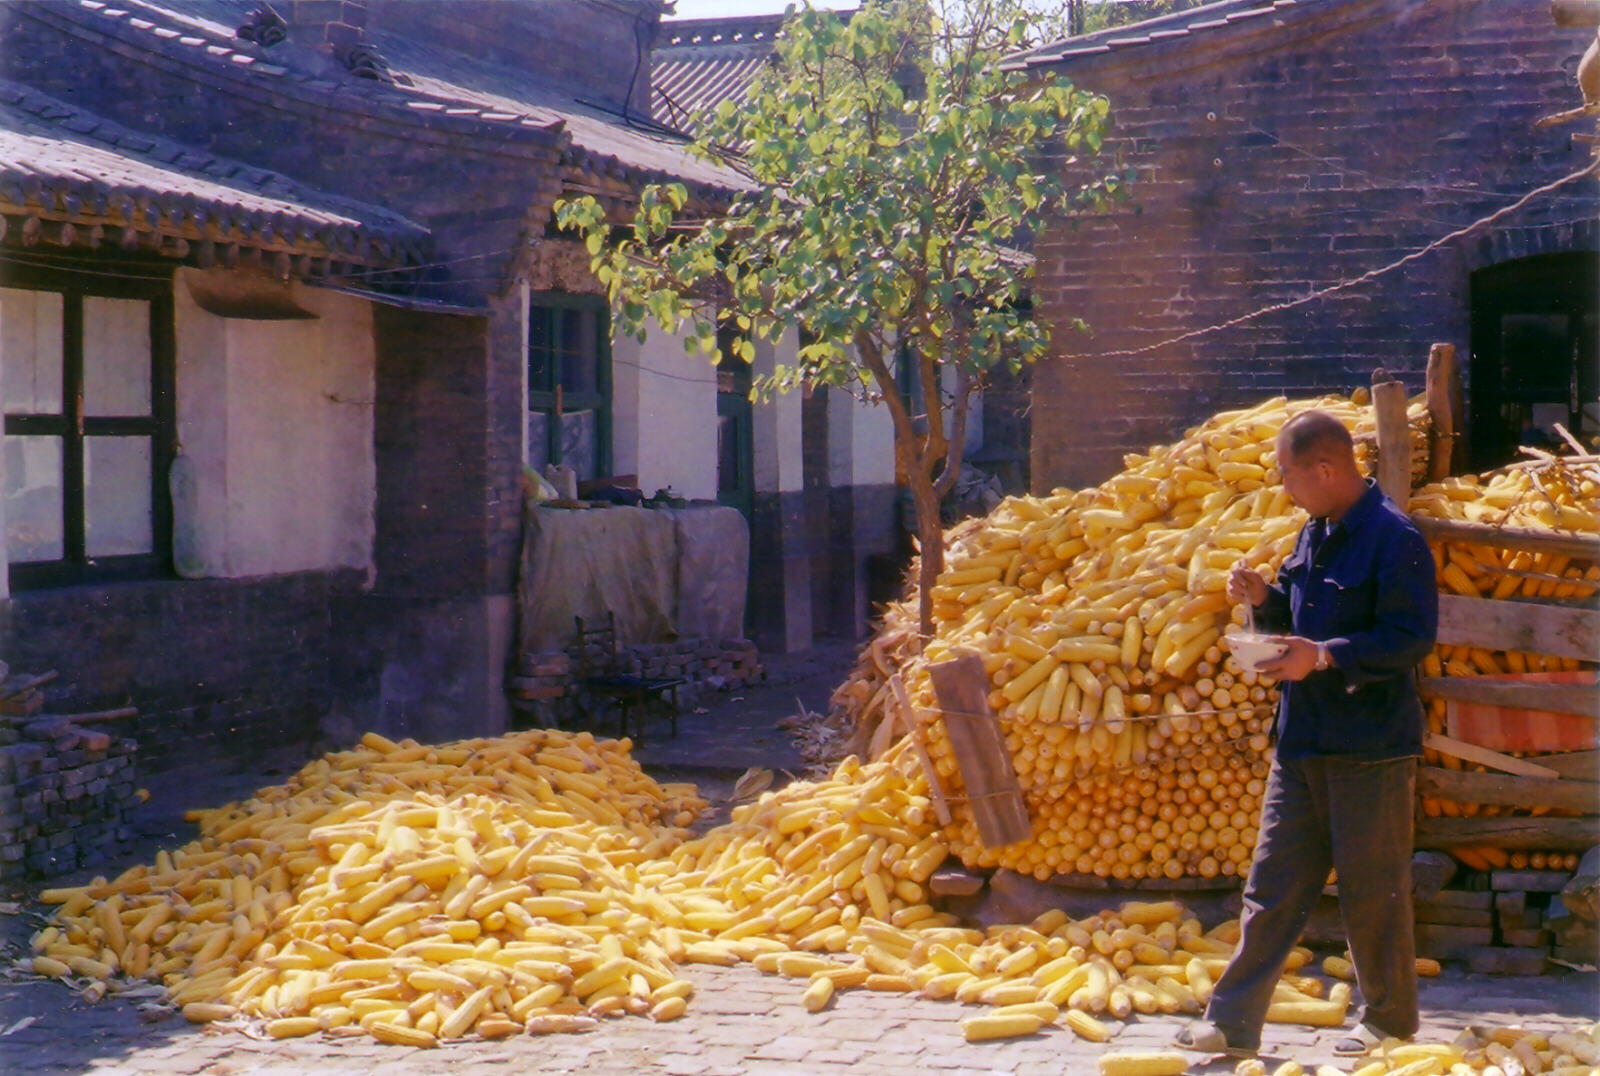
1535	355
735	430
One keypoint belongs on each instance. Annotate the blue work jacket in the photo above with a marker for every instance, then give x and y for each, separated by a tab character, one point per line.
1364	586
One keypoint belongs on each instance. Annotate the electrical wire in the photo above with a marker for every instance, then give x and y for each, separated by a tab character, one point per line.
1367	277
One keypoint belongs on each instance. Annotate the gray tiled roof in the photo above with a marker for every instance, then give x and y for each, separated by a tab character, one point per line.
446	91
600	139
1183	24
71	164
699	63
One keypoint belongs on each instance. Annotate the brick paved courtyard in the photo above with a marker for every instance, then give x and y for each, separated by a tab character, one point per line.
740	1021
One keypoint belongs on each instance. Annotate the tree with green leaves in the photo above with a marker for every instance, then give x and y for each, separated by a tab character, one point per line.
895	171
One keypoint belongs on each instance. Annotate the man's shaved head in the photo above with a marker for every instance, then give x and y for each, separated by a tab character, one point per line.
1316	436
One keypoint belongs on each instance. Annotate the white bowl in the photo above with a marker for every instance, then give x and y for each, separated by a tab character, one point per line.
1251	649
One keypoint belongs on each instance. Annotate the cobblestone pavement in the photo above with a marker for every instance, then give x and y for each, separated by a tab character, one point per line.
740	1021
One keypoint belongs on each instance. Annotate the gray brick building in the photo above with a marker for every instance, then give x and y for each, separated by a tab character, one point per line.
1284	147
277	284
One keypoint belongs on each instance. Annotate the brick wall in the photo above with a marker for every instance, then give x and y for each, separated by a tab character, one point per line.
429	430
1275	157
220	669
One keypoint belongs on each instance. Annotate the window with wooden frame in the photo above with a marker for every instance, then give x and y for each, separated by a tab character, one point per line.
569	383
86	383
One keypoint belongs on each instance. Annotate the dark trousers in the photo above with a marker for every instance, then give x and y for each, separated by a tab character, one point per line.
1357	818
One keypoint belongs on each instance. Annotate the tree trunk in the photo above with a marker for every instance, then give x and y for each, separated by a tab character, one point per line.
930	534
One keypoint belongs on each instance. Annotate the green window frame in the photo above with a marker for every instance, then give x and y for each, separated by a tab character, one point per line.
84	431
569	382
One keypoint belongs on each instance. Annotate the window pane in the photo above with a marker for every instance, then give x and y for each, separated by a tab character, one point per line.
116	495
541	347
116	356
580	351
30	351
33	499
579	437
728	477
538	440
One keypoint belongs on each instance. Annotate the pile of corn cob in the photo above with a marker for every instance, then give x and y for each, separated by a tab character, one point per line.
1139	743
414	892
420	894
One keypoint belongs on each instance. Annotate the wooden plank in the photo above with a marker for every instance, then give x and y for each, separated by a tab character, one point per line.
1485	757
913	724
962	688
1480	899
1528	881
1527	626
1584	765
1453	917
1534	834
1447	943
1530	937
1512	911
1507	790
1429	873
1518	731
1394	442
1459	530
1444	409
956	882
1573	698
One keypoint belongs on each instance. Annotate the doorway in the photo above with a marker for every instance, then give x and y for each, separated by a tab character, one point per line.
1535	356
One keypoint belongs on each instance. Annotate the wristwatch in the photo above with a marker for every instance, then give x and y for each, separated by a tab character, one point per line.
1324	661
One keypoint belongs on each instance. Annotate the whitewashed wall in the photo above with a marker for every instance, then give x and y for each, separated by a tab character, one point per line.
276	471
664	415
777	423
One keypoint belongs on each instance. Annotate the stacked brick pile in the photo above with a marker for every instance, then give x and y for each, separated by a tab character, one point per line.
543	679
707	663
66	790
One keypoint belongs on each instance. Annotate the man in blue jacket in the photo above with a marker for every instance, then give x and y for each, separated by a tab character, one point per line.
1358	600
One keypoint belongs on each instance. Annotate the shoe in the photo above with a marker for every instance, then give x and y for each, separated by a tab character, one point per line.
1360	1042
1207	1038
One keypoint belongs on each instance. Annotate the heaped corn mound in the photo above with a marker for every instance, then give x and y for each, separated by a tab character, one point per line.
425	894
1139	743
419	892
494	886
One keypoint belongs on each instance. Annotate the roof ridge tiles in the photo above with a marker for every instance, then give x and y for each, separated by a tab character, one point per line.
1217	15
168	184
229	63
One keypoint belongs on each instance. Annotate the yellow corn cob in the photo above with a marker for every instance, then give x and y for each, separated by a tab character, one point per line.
1143	1063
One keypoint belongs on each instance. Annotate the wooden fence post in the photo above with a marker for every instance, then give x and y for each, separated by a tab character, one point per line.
1444	411
1394	442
